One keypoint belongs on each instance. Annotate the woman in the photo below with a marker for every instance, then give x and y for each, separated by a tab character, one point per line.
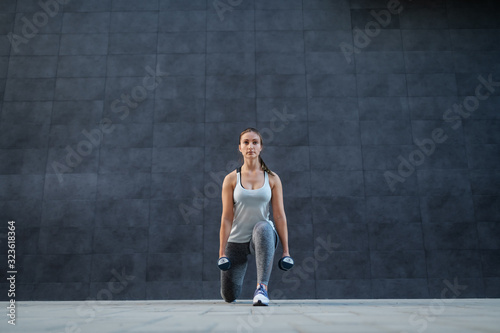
245	224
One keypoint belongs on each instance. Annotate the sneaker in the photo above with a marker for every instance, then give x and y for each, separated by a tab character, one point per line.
260	297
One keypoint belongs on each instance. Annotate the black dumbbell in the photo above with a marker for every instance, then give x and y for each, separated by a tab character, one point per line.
286	263
224	263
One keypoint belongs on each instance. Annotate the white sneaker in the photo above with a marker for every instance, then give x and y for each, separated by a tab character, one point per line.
260	297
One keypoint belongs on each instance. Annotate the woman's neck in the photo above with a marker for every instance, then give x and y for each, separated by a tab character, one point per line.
252	165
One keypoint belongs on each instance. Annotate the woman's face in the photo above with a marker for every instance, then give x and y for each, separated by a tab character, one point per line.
250	145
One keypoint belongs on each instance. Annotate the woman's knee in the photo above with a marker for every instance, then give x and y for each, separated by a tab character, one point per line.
229	295
262	227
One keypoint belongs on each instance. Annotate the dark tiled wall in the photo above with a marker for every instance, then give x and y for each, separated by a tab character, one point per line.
113	177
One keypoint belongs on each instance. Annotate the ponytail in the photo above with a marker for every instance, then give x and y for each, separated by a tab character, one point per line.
264	166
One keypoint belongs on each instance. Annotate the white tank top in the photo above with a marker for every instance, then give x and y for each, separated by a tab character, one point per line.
250	207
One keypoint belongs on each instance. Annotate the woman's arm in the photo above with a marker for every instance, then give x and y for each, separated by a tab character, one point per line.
279	214
227	213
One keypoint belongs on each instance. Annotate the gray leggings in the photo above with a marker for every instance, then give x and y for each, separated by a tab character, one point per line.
263	243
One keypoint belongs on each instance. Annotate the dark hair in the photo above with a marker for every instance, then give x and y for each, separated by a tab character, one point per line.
262	164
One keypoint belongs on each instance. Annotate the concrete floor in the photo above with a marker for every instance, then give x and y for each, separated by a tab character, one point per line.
459	315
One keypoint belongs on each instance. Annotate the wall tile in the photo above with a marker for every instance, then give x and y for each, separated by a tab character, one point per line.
424	18
369	85
385	132
175	185
390	183
86	23
179	110
133	22
486	207
343	157
380	62
21	27
238	20
488	233
344	265
24	135
81	66
338	210
84	44
128	5
79	89
66	240
230	86
402	264
68	213
426	40
87	6
230	64
70	268
122	213
443	182
317	19
182	5
337	183
431	85
280	86
280	63
318	63
393	210
188	267
283	19
123	186
346	236
60	291
338	85
182	42
343	289
386	156
441	209
279	41
450	236
465	288
175	239
453	263
71	186
28	211
429	62
120	240
485	182
182	21
397	288
474	39
32	67
32	89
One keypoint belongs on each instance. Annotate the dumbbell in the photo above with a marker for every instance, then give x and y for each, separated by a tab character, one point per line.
286	263
224	263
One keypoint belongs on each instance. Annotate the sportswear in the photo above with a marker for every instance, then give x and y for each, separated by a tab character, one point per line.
250	207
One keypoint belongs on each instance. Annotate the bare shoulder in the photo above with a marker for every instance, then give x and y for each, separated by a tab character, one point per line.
230	178
274	179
